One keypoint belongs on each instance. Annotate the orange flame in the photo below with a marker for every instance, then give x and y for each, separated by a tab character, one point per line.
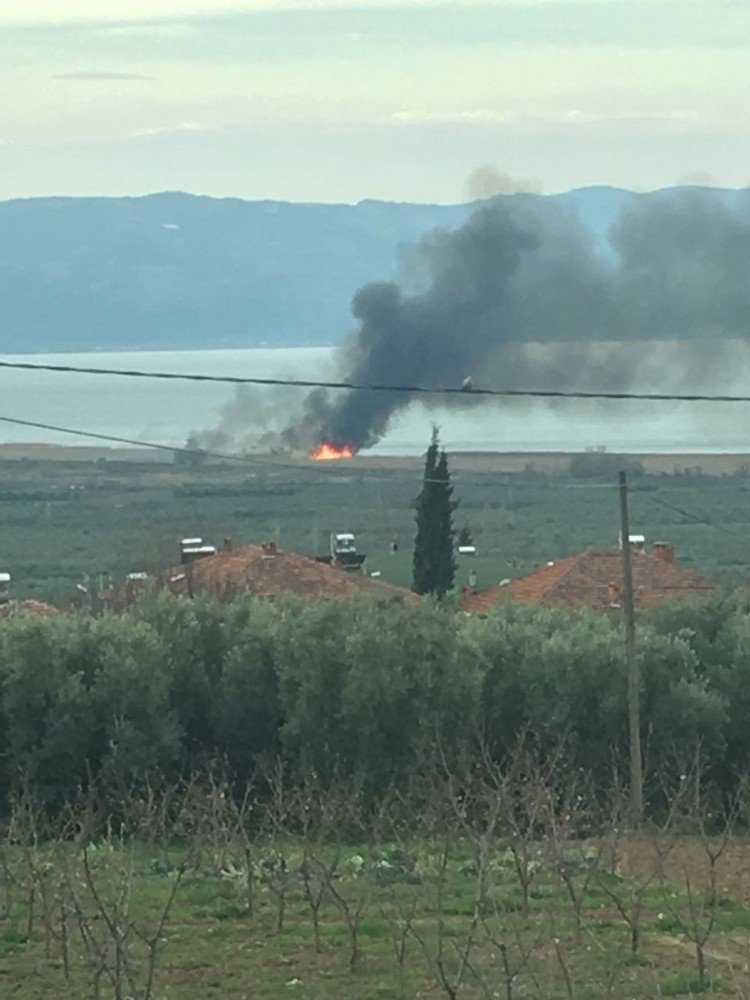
327	452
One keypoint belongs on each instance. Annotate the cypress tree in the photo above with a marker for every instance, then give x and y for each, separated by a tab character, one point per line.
434	562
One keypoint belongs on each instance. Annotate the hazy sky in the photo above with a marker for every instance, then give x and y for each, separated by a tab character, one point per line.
336	101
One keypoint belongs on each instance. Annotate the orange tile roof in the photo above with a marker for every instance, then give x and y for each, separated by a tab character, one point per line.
21	609
594	579
269	571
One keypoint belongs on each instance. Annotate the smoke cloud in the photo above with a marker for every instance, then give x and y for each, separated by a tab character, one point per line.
487	181
521	296
252	421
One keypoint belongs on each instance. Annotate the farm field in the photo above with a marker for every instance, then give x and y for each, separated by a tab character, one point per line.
376	923
70	513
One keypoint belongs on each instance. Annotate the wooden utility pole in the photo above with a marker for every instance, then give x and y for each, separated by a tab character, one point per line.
634	686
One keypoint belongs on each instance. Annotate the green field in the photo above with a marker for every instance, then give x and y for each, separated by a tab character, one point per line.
406	920
60	520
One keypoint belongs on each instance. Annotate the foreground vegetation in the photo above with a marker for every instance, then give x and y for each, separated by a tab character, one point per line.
62	520
358	687
509	882
371	799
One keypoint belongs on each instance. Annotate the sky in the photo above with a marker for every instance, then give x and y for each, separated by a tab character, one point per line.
334	100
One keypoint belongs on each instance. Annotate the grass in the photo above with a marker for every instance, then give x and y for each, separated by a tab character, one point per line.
682	985
63	520
11	940
213	946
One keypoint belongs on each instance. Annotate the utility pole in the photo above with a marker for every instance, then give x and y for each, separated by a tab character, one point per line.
634	694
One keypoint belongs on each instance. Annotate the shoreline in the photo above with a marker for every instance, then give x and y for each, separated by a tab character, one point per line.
552	462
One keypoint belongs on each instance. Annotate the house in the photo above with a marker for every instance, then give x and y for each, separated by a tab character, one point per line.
27	608
595	579
12	608
265	570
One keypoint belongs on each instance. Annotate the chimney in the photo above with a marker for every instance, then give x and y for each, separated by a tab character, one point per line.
228	545
269	548
663	551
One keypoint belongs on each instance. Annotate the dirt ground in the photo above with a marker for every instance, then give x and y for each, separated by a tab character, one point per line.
689	859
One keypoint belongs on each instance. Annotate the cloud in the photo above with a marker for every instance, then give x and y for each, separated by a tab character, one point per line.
482	116
83	10
89	76
493	118
159	130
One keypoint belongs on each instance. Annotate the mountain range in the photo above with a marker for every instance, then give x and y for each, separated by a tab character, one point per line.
181	271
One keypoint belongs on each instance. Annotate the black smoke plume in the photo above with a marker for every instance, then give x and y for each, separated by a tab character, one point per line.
521	296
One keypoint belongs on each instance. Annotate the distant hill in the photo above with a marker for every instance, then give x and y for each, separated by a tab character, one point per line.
180	271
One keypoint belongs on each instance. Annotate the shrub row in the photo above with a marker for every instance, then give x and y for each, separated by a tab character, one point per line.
357	686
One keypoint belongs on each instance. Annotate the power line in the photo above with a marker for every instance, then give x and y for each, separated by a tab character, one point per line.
700	517
314	468
411	390
322	469
197	453
319	468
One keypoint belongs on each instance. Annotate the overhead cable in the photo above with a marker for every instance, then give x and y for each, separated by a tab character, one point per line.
412	390
259	462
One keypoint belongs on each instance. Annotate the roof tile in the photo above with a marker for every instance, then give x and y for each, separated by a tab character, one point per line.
589	579
269	571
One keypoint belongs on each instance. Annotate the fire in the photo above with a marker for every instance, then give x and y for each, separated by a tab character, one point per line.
327	452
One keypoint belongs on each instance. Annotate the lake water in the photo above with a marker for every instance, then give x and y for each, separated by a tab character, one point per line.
166	412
